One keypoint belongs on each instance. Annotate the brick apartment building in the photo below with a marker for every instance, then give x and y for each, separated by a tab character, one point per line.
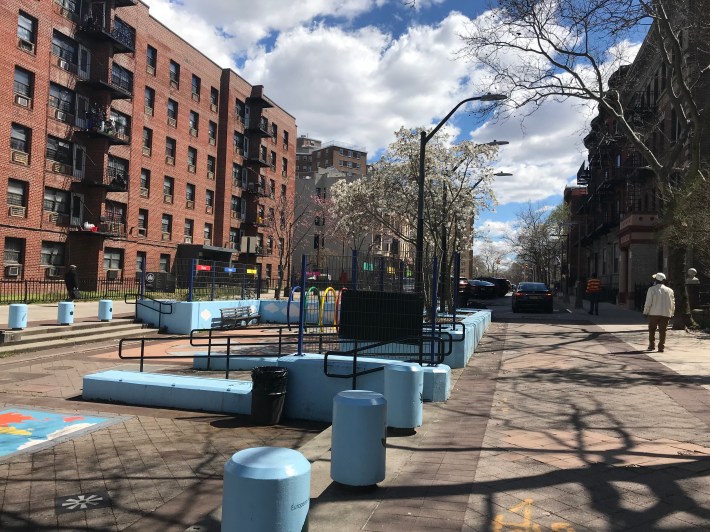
124	144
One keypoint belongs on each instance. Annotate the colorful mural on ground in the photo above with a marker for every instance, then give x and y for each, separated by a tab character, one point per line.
21	429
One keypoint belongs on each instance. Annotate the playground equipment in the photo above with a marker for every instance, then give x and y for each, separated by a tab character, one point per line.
315	311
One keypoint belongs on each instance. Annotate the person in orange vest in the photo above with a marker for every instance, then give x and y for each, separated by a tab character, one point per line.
594	290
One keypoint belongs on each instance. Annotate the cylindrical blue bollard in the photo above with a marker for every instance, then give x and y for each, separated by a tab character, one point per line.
65	315
18	316
266	489
404	386
105	310
357	456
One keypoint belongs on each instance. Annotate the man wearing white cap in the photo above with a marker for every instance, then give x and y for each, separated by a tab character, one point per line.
659	308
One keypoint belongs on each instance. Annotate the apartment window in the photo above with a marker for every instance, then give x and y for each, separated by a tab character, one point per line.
235	206
172	112
59	150
209	198
170	148
147	141
151	59
164	263
191	159
166	224
190	192
14	252
142	222
141	261
145	181
56	200
272	160
283	191
211	163
113	259
121	77
284	166
239	143
65	48
16	193
196	86
117	169
52	254
174	74
236	174
168	186
149	101
189	229
212	133
214	98
262	153
23	86
26	32
20	138
233	239
239	110
208	233
272	189
285	139
194	123
274	131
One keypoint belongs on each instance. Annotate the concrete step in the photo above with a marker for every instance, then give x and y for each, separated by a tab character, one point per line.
35	334
69	338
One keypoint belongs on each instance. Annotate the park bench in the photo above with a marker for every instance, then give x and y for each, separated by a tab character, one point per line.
234	317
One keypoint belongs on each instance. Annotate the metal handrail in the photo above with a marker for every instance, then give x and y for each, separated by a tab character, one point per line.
159	310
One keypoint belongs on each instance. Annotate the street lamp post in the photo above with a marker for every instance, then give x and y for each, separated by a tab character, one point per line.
423	139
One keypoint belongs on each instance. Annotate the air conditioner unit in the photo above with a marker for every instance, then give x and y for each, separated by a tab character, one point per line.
191	168
195	96
13	271
208	241
212	141
208	209
63	63
142	231
193	132
189	204
112	275
236	215
61	168
174	84
170	160
172	122
147	151
60	115
188	239
20	157
150	69
52	272
167	198
210	175
213	107
148	110
166	236
17	210
23	101
144	192
27	46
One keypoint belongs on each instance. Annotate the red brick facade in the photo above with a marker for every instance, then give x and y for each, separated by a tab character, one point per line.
74	186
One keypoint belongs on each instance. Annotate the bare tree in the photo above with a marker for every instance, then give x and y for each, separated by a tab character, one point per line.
540	50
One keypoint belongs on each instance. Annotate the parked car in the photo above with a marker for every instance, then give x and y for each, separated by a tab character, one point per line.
471	289
503	285
532	296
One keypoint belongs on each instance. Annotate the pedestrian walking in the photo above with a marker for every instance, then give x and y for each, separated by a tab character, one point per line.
71	281
594	290
659	309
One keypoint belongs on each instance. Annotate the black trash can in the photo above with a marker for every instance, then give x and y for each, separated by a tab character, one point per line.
267	394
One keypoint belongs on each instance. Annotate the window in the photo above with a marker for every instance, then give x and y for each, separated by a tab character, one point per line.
285	139
147	141
59	150
208	234
233	238
145	182
262	153
121	122
141	261
20	140
211	163
149	101
14	252
236	206
174	74
272	160
56	201
239	110
142	222
274	131
190	192
166	224
283	191
284	166
168	186
27	32
66	49
164	263
172	112
16	193
196	84
212	133
194	123
113	259
239	143
272	189
209	198
23	86
191	159
236	175
117	170
52	254
151	59
214	98
189	229
121	77
170	148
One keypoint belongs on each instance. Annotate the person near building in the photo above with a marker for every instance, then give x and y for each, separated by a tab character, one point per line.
594	291
659	309
71	281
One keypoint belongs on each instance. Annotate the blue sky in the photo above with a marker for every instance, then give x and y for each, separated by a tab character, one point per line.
357	70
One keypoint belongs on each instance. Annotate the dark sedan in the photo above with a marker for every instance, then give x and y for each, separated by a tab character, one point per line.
472	289
532	296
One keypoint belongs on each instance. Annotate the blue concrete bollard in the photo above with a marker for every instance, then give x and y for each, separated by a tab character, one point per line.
404	386
105	310
65	315
358	438
18	316
266	489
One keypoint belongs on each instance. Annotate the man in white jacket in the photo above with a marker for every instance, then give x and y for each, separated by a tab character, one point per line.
659	308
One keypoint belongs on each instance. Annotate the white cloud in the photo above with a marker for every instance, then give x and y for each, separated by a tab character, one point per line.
495	230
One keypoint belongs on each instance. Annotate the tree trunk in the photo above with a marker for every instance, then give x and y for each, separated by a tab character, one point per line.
676	273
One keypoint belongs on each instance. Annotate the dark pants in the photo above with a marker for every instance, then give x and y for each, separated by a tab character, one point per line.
594	303
660	323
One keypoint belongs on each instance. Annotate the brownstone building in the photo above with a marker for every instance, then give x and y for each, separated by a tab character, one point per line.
126	145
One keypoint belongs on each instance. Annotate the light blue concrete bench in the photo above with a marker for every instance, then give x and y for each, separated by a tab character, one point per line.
172	391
